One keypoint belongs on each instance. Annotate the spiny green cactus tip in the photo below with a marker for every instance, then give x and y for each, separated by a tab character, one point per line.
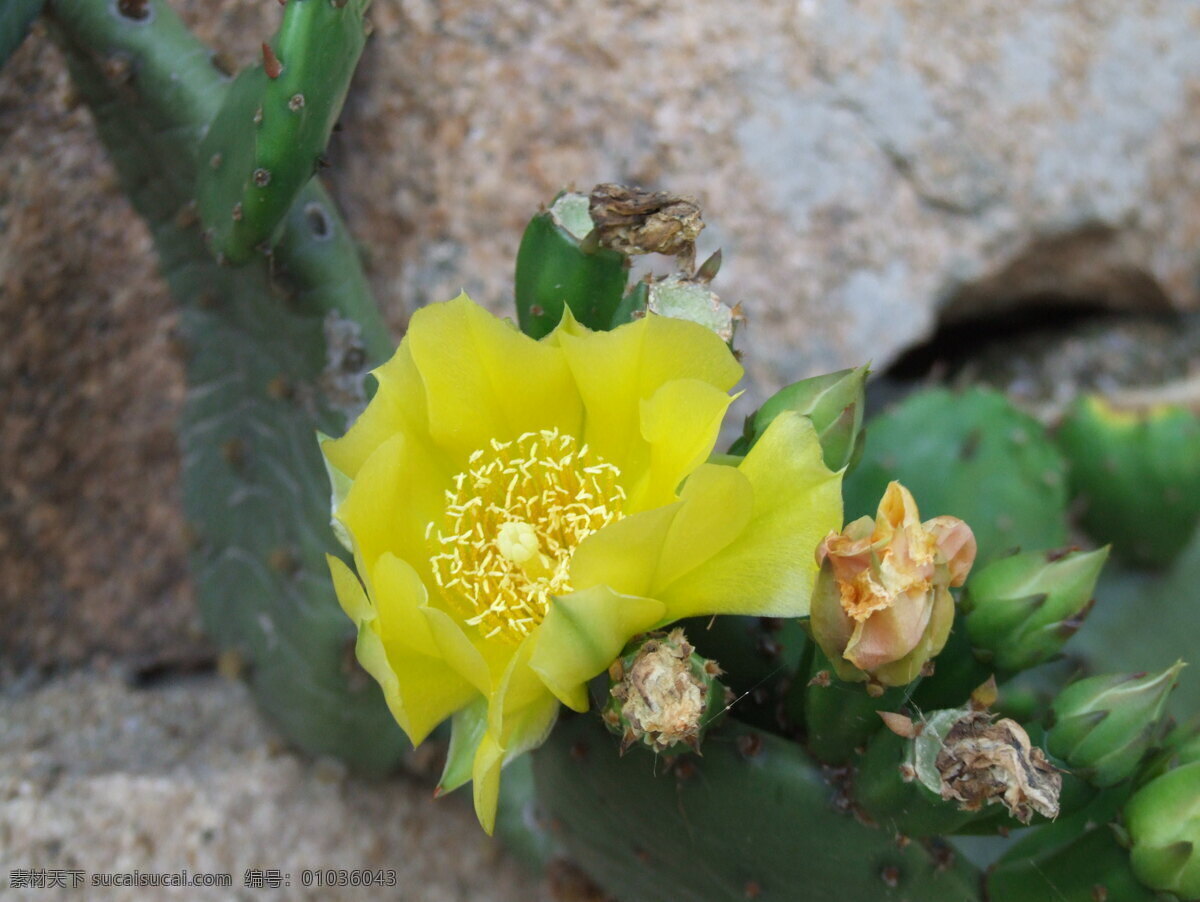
1103	726
1021	610
270	134
663	695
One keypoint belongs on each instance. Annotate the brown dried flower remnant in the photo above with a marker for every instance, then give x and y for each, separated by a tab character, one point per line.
661	696
984	762
637	221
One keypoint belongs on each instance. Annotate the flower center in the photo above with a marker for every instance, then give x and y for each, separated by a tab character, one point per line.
512	522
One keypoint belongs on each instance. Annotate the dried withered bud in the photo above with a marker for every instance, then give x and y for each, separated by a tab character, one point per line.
663	694
636	221
984	762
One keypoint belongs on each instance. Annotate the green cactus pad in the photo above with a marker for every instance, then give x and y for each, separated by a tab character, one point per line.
555	268
265	143
15	18
974	456
1138	475
753	818
271	358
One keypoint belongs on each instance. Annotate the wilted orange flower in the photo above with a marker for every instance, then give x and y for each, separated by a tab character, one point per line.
882	606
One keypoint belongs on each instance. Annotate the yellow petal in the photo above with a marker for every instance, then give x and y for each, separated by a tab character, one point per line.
349	590
485	780
583	633
646	552
769	569
680	423
398	407
420	691
399	597
464	656
518	687
485	380
525	730
624	555
615	371
397	493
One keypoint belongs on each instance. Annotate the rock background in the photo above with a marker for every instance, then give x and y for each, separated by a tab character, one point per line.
867	168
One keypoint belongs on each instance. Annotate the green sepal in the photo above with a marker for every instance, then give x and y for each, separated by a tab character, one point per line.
834	403
467	727
839	716
1021	610
557	268
1103	726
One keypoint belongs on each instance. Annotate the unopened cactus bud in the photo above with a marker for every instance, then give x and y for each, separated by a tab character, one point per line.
682	298
1104	726
1163	820
834	402
882	608
663	694
1022	609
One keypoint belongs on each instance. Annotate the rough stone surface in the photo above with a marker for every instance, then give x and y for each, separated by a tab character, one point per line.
98	777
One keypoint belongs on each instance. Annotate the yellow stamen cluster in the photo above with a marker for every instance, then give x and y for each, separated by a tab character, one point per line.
511	523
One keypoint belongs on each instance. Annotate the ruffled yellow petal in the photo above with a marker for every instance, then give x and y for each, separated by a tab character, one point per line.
398	407
680	423
583	633
624	555
769	569
420	690
485	380
615	371
397	492
645	553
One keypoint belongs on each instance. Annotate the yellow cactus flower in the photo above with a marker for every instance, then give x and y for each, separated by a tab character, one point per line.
882	606
519	509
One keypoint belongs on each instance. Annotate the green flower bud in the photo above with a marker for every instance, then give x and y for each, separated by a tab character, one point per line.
1103	726
1022	609
1163	820
663	694
833	402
